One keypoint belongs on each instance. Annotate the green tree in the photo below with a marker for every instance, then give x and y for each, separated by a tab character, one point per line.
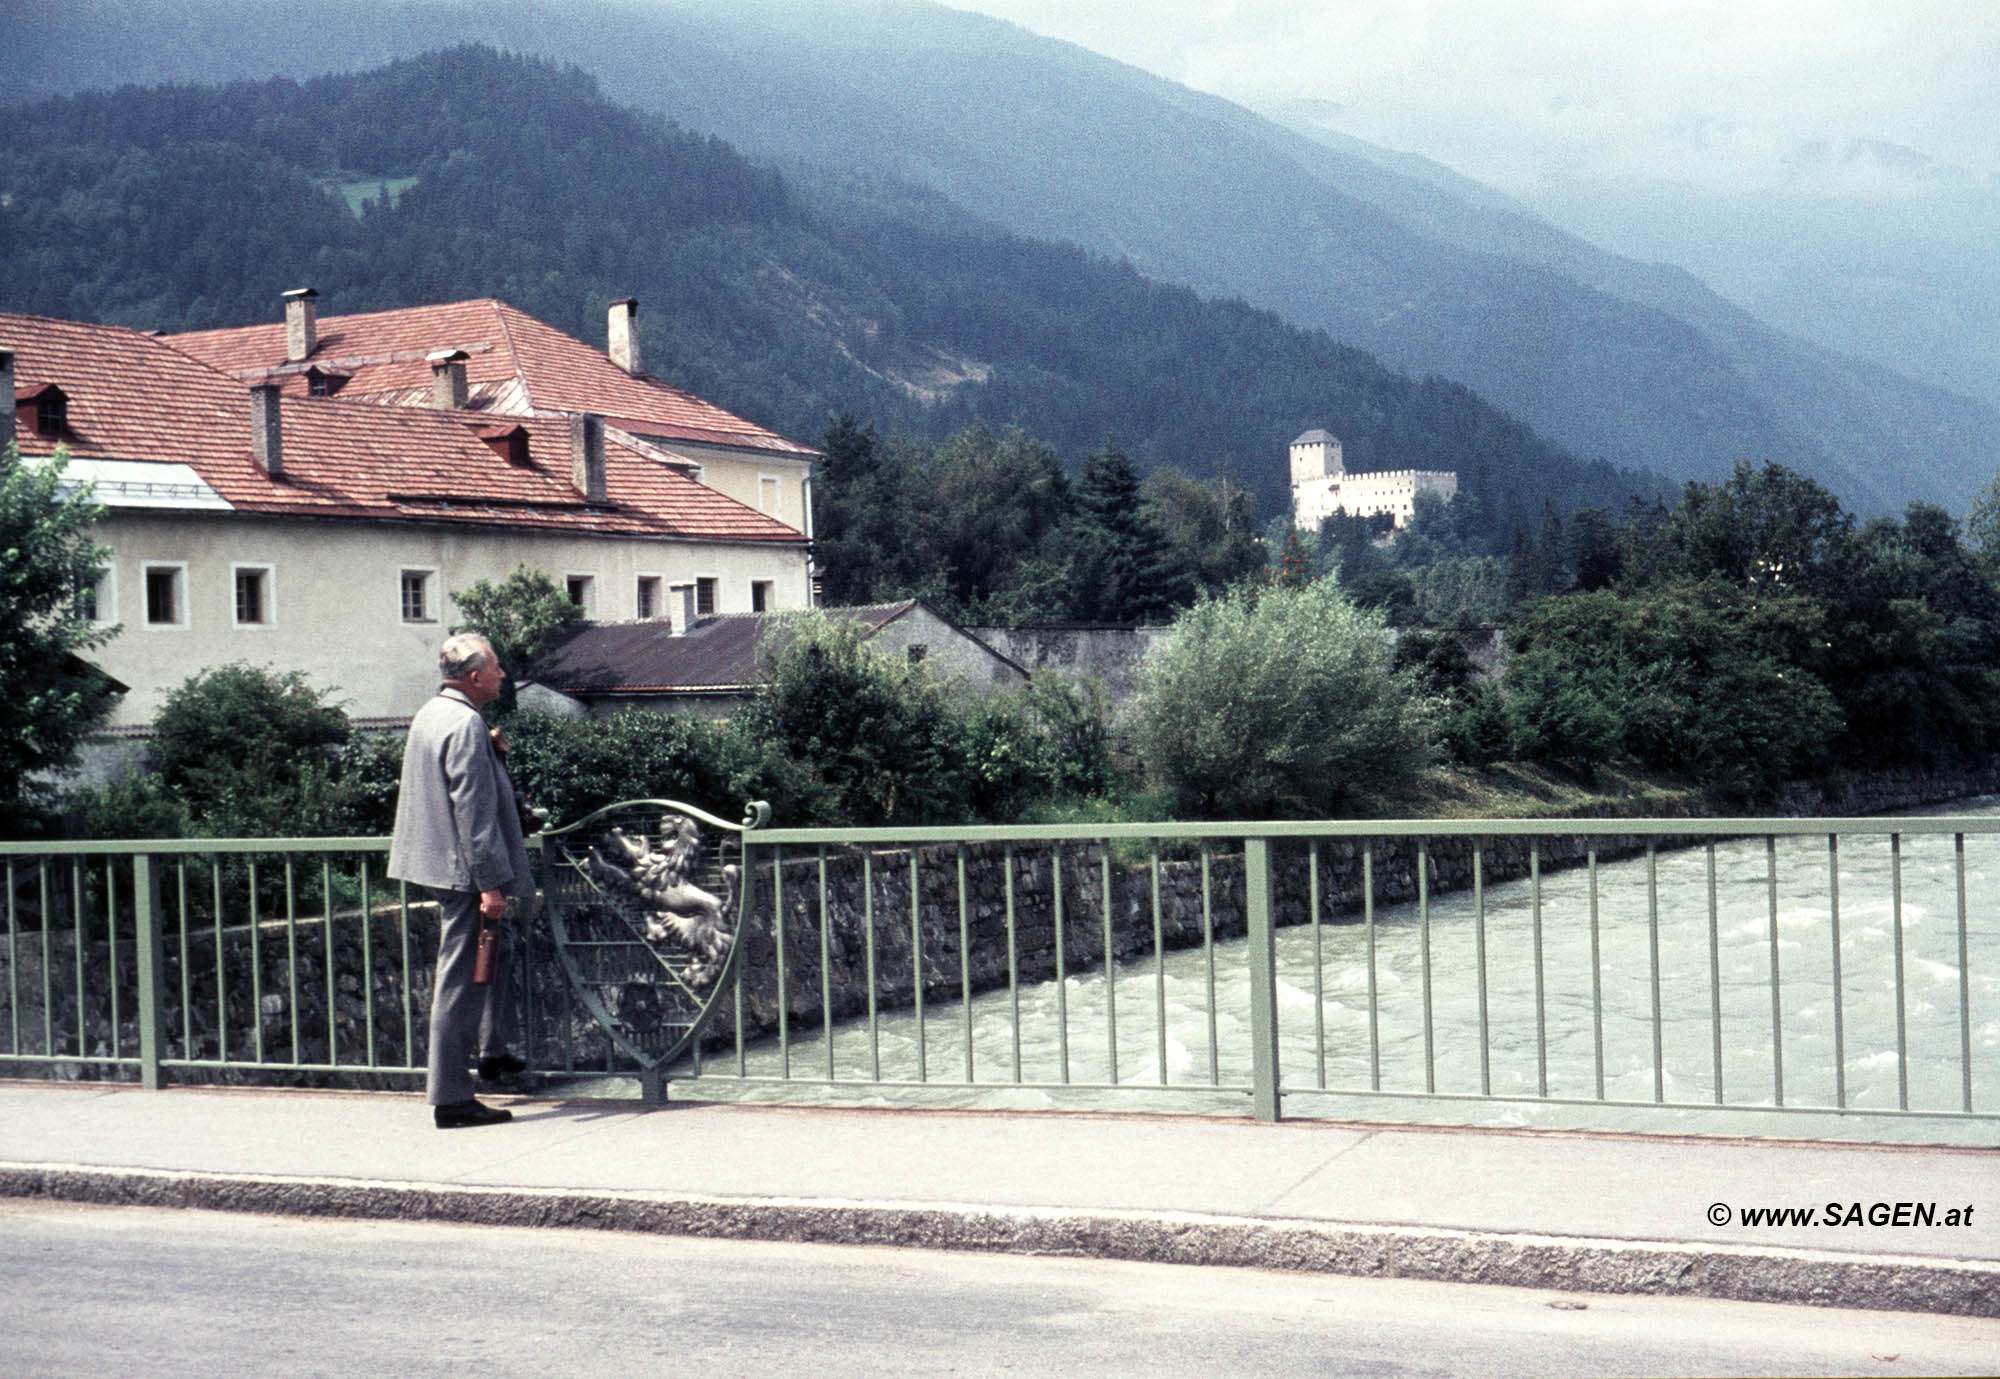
1767	527
1210	529
1047	742
986	510
1913	642
846	736
1698	678
859	521
1982	524
1348	543
1278	701
47	564
519	616
1122	571
1460	593
570	766
246	750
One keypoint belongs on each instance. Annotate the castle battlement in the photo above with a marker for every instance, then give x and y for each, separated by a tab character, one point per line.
1321	485
1377	475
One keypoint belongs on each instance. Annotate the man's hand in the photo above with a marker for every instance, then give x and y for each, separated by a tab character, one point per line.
492	904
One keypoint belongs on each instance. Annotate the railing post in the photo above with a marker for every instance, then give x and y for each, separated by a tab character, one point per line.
1263	963
151	965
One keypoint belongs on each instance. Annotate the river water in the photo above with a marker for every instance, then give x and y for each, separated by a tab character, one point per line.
1182	1024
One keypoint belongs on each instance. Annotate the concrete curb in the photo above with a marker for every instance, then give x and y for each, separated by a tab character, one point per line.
1566	1263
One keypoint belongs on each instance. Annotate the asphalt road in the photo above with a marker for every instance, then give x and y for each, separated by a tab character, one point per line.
124	1291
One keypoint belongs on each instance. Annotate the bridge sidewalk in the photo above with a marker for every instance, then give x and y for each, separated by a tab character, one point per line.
1613	1213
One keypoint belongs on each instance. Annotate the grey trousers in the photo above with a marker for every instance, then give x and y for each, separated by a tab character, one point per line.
468	1021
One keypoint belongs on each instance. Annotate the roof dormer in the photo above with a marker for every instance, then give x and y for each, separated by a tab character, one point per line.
322	381
44	409
507	440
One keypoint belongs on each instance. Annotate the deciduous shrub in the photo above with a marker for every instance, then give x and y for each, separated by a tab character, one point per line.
846	736
1702	679
245	751
1279	702
569	766
1046	743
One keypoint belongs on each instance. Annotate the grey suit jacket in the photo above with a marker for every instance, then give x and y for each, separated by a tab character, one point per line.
456	826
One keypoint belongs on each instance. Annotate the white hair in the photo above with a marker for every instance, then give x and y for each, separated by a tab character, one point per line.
463	653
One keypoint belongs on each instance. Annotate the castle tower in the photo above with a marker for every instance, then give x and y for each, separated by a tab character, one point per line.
1316	455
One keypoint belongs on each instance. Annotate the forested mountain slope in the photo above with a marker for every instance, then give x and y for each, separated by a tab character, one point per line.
1609	358
468	173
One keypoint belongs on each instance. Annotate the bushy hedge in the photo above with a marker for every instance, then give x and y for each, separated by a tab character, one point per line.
570	766
835	734
246	751
1698	678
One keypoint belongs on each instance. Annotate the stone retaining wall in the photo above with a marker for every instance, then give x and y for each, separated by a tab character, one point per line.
210	1027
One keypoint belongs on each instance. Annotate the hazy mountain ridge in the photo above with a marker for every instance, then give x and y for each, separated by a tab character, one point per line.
1613	359
184	207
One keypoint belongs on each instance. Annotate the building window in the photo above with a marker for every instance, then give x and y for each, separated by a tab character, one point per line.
768	495
704	598
253	596
916	651
760	595
416	586
582	591
95	601
166	596
320	383
649	597
51	412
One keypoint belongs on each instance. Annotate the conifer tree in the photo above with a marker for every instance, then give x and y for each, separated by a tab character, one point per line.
1124	570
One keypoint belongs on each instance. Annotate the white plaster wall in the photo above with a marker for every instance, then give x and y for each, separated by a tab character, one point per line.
1393	491
740	473
335	595
949	653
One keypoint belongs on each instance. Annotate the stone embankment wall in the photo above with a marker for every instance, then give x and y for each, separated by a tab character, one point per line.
265	996
1085	870
1194	900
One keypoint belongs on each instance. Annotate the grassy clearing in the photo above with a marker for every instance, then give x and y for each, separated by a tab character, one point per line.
387	189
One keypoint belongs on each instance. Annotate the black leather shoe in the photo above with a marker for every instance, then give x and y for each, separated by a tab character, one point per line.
500	1065
460	1114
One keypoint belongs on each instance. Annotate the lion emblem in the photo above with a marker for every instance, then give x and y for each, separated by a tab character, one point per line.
658	883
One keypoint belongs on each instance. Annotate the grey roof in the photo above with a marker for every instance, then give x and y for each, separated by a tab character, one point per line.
718	654
1318	433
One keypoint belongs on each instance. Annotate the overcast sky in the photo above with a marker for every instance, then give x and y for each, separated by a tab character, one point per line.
1878	96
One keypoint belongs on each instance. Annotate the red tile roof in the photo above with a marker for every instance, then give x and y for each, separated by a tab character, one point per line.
515	364
133	397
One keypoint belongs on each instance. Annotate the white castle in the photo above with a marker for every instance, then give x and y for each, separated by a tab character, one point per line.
1322	486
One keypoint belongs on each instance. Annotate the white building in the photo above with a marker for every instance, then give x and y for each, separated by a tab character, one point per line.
256	519
1321	485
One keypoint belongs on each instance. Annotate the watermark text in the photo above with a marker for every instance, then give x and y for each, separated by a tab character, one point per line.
1911	1214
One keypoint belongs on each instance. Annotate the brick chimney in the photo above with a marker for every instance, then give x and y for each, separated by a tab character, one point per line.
683	621
623	332
7	393
267	435
301	324
448	391
586	455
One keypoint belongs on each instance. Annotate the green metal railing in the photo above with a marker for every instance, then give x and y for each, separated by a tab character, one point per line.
1260	918
1828	966
282	955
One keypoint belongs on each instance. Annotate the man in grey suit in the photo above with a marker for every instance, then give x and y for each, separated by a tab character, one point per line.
458	834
